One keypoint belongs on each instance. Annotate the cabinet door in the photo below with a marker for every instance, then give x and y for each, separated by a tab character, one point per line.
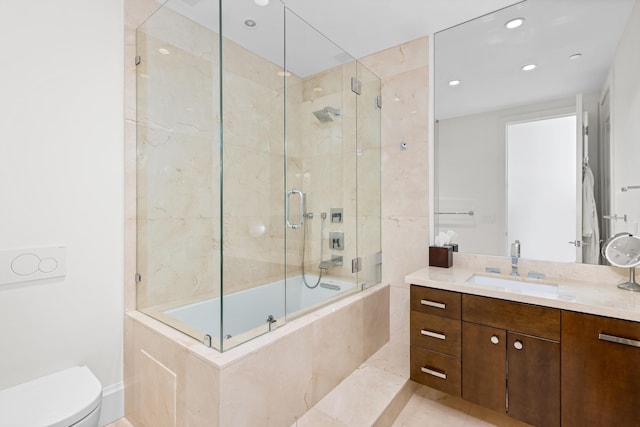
600	378
484	356
533	380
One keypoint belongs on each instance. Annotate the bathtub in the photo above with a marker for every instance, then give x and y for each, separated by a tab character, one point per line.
246	313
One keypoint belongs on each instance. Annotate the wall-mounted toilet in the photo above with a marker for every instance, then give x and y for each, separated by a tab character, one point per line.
72	397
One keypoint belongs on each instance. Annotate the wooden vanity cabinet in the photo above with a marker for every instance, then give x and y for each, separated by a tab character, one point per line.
484	369
600	377
533	379
511	358
505	356
435	337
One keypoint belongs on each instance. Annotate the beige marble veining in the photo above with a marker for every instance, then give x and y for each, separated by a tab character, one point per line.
252	382
399	59
352	401
304	354
432	408
337	354
122	422
593	297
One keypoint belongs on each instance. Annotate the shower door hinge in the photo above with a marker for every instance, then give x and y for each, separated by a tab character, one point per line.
355	86
356	265
379	101
138	278
138	59
207	340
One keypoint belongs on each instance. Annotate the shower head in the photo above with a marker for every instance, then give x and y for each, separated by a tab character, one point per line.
323	115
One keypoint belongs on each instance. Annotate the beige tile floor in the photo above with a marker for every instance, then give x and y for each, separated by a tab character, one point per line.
426	408
122	422
431	408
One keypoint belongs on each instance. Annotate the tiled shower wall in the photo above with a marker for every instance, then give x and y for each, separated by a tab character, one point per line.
179	240
404	71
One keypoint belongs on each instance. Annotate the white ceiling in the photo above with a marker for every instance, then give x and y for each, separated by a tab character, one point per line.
356	28
481	53
487	58
363	27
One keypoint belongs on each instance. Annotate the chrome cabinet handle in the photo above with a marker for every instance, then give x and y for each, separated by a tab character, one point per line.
434	373
495	339
287	208
433	334
518	345
618	340
433	304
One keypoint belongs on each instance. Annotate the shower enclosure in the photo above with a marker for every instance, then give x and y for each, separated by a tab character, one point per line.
258	169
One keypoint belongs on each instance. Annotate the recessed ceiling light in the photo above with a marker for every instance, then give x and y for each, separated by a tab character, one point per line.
163	51
250	24
514	23
454	82
575	56
528	67
261	2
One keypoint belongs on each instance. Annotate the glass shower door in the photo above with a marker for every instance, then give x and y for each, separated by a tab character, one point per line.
252	153
177	172
369	105
320	169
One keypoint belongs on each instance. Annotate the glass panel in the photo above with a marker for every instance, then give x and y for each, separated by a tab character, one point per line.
320	165
369	179
220	173
177	167
252	172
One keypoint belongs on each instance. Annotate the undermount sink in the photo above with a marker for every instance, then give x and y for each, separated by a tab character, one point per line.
516	285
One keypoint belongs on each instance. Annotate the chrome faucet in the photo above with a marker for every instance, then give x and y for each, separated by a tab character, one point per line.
515	254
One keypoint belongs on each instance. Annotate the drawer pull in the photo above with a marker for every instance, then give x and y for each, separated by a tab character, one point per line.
433	334
495	339
433	304
434	373
618	340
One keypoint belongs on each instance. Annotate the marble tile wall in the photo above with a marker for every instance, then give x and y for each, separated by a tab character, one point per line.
175	381
179	238
177	199
341	166
404	71
168	373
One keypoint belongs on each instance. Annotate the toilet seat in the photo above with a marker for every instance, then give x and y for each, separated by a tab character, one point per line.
57	400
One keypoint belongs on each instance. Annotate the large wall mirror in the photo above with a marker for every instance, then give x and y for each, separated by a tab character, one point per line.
537	133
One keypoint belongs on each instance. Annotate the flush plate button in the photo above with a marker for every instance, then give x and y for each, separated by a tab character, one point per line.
23	265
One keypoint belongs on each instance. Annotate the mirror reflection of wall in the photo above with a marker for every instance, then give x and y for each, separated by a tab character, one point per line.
586	66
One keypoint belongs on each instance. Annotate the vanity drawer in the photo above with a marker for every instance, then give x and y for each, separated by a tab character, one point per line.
435	301
436	370
528	319
441	334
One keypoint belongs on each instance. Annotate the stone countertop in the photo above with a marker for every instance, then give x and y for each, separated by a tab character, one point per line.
603	299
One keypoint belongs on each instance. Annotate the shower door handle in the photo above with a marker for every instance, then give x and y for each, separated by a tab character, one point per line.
287	208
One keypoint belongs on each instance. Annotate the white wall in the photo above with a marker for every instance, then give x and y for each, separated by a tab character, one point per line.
61	183
473	147
626	126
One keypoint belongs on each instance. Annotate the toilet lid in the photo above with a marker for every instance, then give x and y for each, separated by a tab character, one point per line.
57	400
